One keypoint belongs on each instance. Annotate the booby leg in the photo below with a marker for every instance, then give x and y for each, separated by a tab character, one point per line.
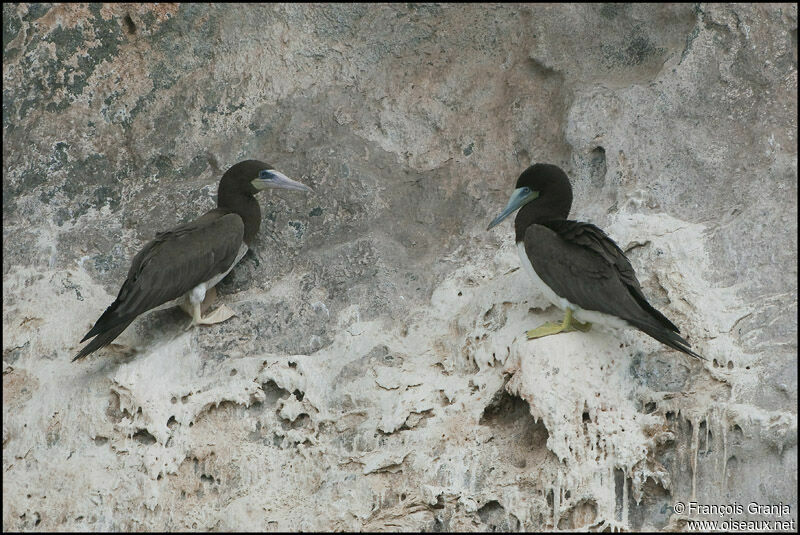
222	313
211	296
569	324
195	307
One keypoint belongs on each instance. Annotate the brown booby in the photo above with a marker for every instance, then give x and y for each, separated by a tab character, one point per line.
576	265
179	266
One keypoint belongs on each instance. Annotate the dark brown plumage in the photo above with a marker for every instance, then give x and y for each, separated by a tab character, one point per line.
577	261
191	258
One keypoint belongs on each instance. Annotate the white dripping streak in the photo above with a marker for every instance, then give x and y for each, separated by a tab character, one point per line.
724	456
556	490
695	447
624	498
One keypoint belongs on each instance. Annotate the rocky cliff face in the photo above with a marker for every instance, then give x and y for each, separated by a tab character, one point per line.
376	375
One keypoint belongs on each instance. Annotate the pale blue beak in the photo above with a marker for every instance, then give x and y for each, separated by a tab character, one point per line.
519	198
270	178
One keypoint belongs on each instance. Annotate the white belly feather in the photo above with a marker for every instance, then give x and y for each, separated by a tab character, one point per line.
591	316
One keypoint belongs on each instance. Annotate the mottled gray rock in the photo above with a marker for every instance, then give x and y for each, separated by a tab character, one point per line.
376	375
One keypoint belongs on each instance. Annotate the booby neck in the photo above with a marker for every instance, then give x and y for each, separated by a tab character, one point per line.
531	215
241	182
245	206
237	196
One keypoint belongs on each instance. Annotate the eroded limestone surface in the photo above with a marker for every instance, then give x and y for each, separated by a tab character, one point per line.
377	376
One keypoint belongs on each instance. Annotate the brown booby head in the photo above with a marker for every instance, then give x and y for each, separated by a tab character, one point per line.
241	182
542	193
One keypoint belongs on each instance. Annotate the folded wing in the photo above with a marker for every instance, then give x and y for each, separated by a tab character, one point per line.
583	265
167	268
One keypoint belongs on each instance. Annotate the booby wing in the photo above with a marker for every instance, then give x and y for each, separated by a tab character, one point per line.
167	267
580	263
